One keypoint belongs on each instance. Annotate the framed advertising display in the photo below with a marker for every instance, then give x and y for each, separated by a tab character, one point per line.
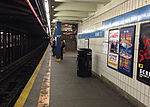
143	66
113	49
126	50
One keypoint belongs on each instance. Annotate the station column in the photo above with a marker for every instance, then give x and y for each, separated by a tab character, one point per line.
58	47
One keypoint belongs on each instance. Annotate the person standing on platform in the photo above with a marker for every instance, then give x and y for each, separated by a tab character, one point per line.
53	46
62	48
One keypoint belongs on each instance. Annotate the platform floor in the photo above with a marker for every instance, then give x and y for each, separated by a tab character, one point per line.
69	90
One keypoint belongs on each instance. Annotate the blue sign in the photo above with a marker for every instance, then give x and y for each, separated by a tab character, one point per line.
96	34
58	29
135	16
126	45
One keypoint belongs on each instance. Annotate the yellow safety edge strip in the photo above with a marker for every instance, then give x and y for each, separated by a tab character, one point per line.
25	93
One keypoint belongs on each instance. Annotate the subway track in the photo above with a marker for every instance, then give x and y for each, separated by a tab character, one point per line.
15	77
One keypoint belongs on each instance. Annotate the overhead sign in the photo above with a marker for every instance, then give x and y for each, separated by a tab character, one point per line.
113	49
143	67
126	45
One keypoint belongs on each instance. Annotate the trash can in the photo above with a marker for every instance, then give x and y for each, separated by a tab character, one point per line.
84	66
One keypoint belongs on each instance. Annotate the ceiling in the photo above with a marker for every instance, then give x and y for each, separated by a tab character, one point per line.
19	15
74	11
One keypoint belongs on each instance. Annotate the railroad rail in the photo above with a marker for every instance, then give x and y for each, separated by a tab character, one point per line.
14	78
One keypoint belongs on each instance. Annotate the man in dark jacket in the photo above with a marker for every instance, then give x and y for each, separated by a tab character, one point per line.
62	48
53	47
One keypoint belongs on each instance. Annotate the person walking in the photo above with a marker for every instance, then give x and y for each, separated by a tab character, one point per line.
62	48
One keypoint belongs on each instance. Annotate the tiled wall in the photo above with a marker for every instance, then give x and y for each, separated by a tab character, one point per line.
132	86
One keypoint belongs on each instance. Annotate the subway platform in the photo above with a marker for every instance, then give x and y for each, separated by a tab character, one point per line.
56	84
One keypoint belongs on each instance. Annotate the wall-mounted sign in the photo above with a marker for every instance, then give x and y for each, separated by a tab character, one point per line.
134	16
143	67
126	51
113	49
96	34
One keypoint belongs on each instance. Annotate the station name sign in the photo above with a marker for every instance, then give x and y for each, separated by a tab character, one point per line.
134	16
96	34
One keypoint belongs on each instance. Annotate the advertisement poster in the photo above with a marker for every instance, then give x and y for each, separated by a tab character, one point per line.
113	49
143	66
126	45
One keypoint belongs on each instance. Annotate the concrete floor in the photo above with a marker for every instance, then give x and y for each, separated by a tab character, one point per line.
69	90
33	98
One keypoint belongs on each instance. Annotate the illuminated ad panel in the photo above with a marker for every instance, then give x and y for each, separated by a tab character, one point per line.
113	49
143	66
126	50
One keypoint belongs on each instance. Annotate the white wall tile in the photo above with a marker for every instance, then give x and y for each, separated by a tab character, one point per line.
148	2
138	95
121	84
129	85
142	98
140	3
134	76
130	5
125	5
134	93
126	79
129	81
146	90
138	86
142	88
134	69
123	8
123	78
129	89
146	100
137	30
124	86
134	4
137	4
144	2
149	92
136	45
135	56
134	84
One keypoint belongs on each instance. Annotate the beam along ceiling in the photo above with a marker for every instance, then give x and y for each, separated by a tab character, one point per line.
74	11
